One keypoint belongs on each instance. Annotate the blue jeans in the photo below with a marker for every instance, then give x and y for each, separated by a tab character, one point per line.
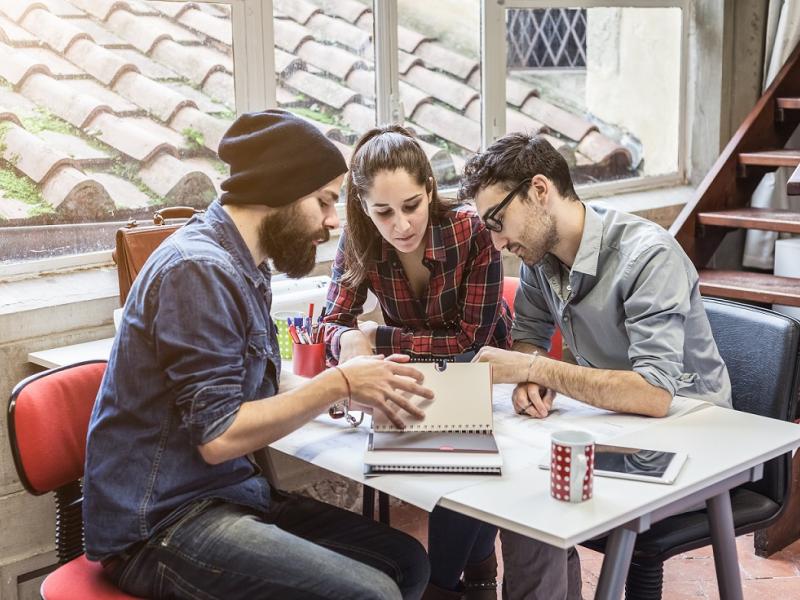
455	541
301	548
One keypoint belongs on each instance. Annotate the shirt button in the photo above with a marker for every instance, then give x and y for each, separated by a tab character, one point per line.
569	288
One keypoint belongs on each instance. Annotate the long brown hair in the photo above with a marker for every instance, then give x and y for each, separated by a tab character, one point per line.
381	149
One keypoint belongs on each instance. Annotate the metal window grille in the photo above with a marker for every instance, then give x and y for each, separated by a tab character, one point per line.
546	37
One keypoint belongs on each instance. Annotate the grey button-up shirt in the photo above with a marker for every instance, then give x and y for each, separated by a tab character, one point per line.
630	302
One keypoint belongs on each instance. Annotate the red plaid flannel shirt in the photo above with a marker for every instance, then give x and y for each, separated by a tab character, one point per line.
463	307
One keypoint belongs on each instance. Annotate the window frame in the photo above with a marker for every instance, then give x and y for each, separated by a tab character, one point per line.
494	73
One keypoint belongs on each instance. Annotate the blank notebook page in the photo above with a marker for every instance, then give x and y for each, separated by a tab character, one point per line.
462	400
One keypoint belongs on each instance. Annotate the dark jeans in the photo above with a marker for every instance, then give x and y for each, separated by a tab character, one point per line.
301	549
455	541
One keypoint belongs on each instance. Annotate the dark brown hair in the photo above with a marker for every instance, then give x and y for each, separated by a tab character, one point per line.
514	158
381	149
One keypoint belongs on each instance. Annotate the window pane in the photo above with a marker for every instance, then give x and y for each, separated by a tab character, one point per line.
325	65
108	111
440	78
602	84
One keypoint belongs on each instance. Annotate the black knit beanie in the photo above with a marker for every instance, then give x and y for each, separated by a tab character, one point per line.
276	158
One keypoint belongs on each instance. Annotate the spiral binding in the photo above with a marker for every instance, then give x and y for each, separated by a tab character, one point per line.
433	469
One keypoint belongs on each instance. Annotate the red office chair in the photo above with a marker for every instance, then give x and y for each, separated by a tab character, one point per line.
48	418
510	285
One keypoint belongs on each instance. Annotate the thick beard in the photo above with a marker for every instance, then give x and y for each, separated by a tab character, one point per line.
286	239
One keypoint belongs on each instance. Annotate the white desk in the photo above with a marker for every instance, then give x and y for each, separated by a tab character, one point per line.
726	448
67	355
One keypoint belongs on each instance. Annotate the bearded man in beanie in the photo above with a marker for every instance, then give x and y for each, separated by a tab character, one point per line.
174	506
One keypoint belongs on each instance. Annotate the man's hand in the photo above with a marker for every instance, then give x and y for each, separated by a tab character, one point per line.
532	400
378	384
370	330
507	366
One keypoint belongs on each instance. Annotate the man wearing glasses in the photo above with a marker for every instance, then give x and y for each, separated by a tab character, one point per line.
625	297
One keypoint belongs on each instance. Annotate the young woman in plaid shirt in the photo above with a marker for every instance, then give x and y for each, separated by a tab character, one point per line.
438	279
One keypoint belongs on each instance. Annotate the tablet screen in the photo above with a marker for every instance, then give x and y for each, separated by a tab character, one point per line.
633	461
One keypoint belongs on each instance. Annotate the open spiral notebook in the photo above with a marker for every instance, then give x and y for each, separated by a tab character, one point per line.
456	433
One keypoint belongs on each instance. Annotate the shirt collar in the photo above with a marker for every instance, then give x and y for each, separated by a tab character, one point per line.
230	239
588	254
434	247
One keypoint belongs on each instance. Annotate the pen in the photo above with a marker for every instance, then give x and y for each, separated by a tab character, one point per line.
311	311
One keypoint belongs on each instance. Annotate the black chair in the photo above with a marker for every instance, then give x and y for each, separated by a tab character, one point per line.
762	351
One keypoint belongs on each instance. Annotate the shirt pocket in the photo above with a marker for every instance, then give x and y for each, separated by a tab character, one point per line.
255	363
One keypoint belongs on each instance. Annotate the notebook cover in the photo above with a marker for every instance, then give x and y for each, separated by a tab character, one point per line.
423	441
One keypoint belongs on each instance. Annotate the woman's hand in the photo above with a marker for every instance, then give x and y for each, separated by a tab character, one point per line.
353	343
378	384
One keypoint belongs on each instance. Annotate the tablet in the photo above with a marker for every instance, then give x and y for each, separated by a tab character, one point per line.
657	466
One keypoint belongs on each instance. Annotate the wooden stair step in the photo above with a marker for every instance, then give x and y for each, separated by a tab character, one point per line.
771	158
793	185
789	103
784	221
755	287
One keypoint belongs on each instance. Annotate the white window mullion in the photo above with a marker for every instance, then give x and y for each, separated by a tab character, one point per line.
253	55
389	108
493	71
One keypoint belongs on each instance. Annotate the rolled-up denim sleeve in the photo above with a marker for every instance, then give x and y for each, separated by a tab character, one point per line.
533	322
656	306
199	335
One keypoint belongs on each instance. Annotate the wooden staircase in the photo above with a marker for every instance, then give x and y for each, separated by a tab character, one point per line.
722	200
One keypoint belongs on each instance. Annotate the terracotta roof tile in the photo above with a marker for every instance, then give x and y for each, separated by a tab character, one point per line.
10	116
330	131
104	65
408	40
212	128
31	155
411	98
59	67
202	22
16	9
100	34
219	87
103	8
72	192
194	63
336	31
147	66
517	92
349	10
203	102
286	97
358	117
441	87
61	8
127	137
405	61
135	30
285	62
63	100
11	208
160	100
58	33
168	135
84	154
602	149
558	119
449	125
216	170
334	60
474	80
177	182
299	10
13	34
171	9
363	82
320	89
122	106
346	151
289	35
124	193
440	159
16	66
516	121
439	57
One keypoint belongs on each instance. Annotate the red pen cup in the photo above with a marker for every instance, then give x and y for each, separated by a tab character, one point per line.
571	466
308	360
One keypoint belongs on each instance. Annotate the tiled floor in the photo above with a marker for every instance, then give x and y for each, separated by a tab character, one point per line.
687	576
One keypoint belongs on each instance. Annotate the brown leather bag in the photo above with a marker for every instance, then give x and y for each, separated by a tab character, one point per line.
135	243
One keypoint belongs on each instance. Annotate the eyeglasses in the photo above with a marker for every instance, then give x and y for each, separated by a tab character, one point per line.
490	219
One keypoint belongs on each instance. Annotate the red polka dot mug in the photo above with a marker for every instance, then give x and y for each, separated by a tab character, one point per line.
571	466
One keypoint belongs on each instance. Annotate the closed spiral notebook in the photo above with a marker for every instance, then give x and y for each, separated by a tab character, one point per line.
456	433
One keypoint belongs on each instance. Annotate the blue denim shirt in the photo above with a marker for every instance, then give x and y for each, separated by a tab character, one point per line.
196	340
